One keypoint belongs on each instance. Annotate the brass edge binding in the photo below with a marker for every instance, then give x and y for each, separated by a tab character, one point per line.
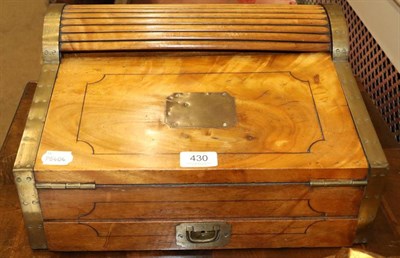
339	34
378	165
26	156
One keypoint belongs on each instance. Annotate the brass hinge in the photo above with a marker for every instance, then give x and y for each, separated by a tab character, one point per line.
327	183
87	186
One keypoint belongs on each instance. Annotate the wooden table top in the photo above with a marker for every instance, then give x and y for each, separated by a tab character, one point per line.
383	234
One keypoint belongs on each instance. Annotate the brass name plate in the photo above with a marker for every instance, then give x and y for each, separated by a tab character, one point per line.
200	110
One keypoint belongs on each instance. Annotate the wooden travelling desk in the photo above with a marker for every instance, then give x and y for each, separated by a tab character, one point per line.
197	131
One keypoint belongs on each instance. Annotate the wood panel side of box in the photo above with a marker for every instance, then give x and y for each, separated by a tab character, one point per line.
161	235
200	202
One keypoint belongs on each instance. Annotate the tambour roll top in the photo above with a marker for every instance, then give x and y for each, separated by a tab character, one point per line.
195	27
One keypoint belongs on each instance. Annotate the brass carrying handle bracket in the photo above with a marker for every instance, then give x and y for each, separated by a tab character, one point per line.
200	235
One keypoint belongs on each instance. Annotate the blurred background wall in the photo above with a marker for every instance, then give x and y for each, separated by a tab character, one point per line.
21	23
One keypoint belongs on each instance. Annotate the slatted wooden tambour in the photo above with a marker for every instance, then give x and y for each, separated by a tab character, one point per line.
193	127
196	27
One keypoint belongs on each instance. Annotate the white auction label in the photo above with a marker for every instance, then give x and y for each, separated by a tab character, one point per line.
196	159
60	158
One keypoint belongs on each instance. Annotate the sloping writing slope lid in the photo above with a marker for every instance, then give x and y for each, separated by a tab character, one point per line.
268	118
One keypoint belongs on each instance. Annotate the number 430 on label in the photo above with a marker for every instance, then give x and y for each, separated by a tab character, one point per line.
195	159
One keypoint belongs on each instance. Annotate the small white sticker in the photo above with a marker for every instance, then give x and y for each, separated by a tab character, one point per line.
60	158
195	159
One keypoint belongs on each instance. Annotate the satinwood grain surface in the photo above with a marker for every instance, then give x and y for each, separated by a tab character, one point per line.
293	123
194	27
145	217
266	103
161	235
204	201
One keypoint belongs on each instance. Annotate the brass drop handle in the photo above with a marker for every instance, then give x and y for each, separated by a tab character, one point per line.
199	237
203	234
